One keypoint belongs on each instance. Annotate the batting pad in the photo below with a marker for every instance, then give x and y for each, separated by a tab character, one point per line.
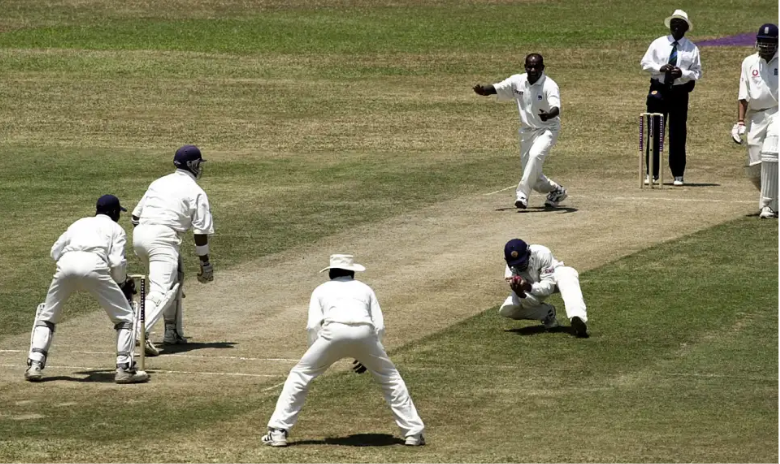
769	180
753	173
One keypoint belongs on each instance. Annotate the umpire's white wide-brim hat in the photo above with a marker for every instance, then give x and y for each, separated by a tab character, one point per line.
679	14
346	262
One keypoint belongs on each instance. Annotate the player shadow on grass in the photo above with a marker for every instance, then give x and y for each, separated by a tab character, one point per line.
540	209
539	329
92	376
191	346
361	439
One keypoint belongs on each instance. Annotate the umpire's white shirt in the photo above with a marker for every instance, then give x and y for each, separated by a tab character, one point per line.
178	202
540	271
99	235
758	82
541	95
346	301
688	59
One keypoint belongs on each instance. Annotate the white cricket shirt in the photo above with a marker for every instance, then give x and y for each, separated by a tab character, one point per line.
688	59
178	202
758	82
99	235
540	270
347	301
542	95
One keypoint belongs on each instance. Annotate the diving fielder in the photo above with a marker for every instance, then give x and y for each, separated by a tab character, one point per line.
345	321
90	256
533	275
539	103
171	206
758	105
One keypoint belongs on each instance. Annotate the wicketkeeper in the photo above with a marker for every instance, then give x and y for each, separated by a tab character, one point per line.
90	256
533	275
172	206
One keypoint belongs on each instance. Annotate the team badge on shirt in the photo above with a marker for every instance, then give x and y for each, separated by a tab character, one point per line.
538	97
755	73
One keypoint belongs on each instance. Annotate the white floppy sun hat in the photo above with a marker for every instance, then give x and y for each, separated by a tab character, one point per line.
346	262
679	14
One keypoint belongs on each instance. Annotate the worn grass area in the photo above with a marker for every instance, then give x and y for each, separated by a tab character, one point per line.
673	372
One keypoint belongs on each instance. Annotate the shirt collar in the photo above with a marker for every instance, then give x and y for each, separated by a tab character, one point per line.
104	217
539	82
671	40
343	279
187	173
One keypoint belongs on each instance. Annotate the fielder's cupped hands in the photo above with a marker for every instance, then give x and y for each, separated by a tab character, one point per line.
737	132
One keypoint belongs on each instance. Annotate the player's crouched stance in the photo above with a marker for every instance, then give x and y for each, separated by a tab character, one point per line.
90	256
345	321
533	275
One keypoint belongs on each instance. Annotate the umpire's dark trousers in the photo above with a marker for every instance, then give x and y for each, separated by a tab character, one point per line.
672	102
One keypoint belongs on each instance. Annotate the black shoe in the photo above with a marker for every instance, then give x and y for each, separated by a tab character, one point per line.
520	204
579	326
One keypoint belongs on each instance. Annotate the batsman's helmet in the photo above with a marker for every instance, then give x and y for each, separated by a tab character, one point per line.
189	158
766	39
516	253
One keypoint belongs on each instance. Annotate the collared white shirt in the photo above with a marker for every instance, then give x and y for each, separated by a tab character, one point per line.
346	301
540	270
178	202
99	235
541	95
758	82
688	59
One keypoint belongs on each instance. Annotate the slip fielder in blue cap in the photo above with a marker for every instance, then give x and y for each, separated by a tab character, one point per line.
108	203
516	253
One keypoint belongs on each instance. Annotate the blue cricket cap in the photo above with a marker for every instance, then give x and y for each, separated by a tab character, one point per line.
108	203
516	253
186	154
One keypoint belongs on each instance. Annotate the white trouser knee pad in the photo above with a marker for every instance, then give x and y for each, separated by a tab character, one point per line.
40	342
125	341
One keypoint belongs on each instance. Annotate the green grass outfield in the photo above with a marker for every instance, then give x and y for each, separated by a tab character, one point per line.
681	367
318	118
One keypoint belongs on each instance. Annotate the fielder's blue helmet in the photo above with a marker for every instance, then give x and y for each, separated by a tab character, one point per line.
767	32
189	158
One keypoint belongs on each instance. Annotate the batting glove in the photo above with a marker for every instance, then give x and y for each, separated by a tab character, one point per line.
357	367
206	273
737	132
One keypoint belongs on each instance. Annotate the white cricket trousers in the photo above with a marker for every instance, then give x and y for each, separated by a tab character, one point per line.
158	248
337	341
83	271
567	282
535	145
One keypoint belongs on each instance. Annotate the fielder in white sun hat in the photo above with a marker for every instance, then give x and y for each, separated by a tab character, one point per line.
346	262
679	14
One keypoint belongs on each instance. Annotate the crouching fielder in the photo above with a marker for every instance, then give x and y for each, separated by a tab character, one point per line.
345	321
533	275
90	256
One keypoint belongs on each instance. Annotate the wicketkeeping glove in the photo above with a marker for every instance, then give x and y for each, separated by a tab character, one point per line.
357	367
128	288
737	132
519	285
206	273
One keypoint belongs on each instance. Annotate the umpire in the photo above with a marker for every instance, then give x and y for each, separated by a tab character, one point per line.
674	66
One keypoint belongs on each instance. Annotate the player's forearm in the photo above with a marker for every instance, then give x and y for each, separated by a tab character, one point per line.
485	90
543	288
554	111
741	110
202	247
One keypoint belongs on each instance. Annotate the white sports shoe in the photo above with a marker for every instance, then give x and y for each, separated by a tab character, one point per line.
151	350
550	322
34	372
767	213
415	440
275	437
126	375
647	180
172	336
678	181
555	197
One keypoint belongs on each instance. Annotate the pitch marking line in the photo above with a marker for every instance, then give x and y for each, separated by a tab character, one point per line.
194	356
690	200
499	191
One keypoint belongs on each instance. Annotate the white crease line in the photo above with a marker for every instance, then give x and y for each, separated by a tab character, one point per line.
241	358
272	387
693	200
499	191
154	371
